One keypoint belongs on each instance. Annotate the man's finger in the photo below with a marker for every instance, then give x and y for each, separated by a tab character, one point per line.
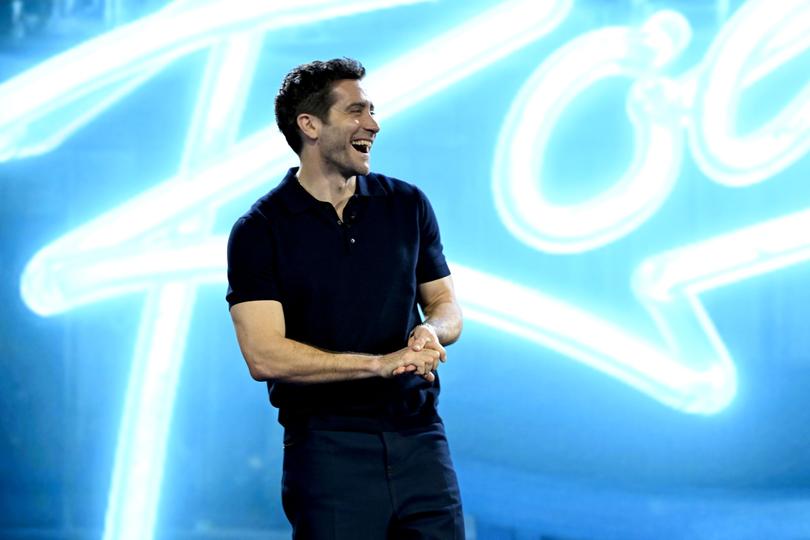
435	346
419	343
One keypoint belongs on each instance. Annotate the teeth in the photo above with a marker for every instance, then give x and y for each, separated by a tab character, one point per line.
362	145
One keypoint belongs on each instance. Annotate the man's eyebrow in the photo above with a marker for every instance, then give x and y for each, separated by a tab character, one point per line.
363	103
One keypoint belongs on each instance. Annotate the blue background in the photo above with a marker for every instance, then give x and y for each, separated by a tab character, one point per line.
545	447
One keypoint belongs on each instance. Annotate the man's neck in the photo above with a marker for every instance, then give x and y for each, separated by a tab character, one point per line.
331	187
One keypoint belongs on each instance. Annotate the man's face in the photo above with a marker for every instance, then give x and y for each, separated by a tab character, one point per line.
347	135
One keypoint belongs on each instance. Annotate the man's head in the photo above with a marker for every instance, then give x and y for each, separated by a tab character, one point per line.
307	89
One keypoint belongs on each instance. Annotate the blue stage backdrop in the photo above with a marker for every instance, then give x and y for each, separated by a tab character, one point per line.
622	191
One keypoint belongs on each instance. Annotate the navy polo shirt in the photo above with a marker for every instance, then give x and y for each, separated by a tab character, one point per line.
346	286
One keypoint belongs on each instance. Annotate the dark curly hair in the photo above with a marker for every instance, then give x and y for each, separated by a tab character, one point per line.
308	89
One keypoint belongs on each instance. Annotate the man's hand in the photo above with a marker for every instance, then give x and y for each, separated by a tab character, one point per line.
407	360
424	337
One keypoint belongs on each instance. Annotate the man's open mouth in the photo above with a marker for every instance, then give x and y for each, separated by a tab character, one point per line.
362	145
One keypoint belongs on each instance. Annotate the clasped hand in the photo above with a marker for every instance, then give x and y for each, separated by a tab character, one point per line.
421	356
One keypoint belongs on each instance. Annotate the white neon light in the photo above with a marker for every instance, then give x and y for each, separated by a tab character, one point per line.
519	157
668	284
46	104
760	40
143	434
463	51
594	341
138	469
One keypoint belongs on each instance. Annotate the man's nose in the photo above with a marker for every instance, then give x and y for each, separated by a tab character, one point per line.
371	123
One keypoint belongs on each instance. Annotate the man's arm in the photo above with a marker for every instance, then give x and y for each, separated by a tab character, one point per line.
260	330
443	313
442	325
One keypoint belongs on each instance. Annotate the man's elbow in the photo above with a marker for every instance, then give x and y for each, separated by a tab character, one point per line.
457	333
258	373
261	364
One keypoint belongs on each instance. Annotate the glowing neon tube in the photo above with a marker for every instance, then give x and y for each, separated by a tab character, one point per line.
517	172
47	103
757	41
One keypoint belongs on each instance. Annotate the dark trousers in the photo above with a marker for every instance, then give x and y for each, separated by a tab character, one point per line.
390	485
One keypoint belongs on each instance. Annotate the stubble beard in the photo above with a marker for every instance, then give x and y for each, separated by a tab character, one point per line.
340	159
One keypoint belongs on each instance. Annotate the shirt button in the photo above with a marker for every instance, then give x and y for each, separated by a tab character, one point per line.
351	240
339	222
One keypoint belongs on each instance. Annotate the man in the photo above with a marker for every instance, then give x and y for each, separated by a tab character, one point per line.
325	275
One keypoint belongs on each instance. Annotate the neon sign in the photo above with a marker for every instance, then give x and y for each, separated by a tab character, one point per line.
696	373
161	241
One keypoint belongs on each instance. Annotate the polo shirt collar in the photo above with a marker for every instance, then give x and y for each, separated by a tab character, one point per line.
299	199
369	187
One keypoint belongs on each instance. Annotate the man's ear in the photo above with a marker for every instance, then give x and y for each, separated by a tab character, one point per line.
310	125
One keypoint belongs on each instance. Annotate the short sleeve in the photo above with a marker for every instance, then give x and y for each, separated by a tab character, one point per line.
431	264
251	262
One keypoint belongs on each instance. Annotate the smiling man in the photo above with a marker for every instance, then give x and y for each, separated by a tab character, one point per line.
326	275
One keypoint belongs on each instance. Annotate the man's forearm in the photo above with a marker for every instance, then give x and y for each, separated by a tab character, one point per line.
446	320
283	359
287	360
